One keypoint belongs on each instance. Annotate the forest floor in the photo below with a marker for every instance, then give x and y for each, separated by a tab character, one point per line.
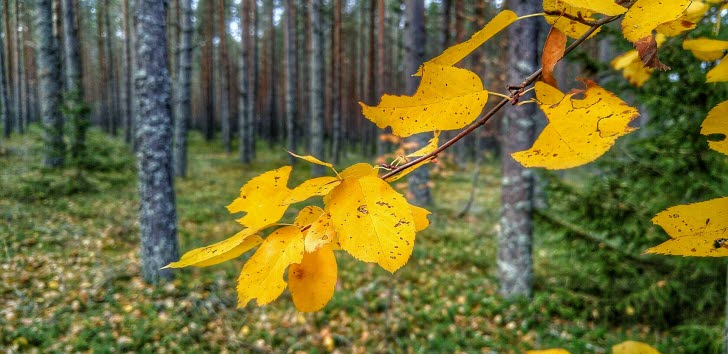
70	273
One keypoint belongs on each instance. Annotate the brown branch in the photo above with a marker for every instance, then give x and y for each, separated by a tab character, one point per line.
484	119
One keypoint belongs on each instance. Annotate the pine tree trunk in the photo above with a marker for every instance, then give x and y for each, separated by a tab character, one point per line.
103	84
19	68
224	87
255	75
515	267
206	70
157	215
245	112
446	20
9	73
336	84
49	60
291	76
274	127
75	107
5	116
183	107
112	91
379	82
306	74
316	86
128	110
415	54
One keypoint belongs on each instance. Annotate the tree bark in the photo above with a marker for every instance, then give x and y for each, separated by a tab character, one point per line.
183	107
19	70
515	267
245	111
103	84
446	20
291	77
206	72
415	54
112	90
224	87
50	86
274	127
128	110
9	73
5	116
157	214
316	85
255	74
75	108
336	84
379	82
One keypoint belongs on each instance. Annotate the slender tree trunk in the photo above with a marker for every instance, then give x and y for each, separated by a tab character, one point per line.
19	70
31	88
157	214
306	74
5	116
274	132
446	20
128	111
75	107
206	72
112	91
379	82
515	267
245	111
103	84
183	102
316	85
415	38
49	60
224	91
9	72
291	76
336	84
255	74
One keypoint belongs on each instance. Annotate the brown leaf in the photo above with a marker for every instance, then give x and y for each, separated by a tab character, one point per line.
553	51
647	49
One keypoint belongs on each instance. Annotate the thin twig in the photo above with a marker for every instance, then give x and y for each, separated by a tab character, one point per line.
484	119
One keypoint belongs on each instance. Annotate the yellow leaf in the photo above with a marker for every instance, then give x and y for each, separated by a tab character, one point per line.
633	347
321	233
308	216
645	15
219	252
717	123
420	216
574	29
606	7
579	130
632	68
312	159
374	222
310	188
430	147
548	351
262	275
447	98
705	48
407	170
698	229
263	198
459	51
692	15
312	282
720	72
358	170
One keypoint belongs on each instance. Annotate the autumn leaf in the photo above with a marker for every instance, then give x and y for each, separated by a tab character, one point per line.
310	188
699	229
312	282
448	98
420	216
374	223
633	347
717	123
647	50
313	160
321	233
692	15
307	216
262	275
632	67
553	51
579	130
459	51
358	170
219	252
706	49
430	147
720	72
263	198
555	10
645	15
548	351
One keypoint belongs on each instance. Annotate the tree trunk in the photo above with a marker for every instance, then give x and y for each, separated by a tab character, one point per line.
206	72
19	68
49	60
4	108
157	215
291	76
9	73
379	82
128	111
75	108
183	107
316	85
103	84
515	267
112	90
245	111
336	84
254	73
306	75
415	54
274	132
446	20
224	87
